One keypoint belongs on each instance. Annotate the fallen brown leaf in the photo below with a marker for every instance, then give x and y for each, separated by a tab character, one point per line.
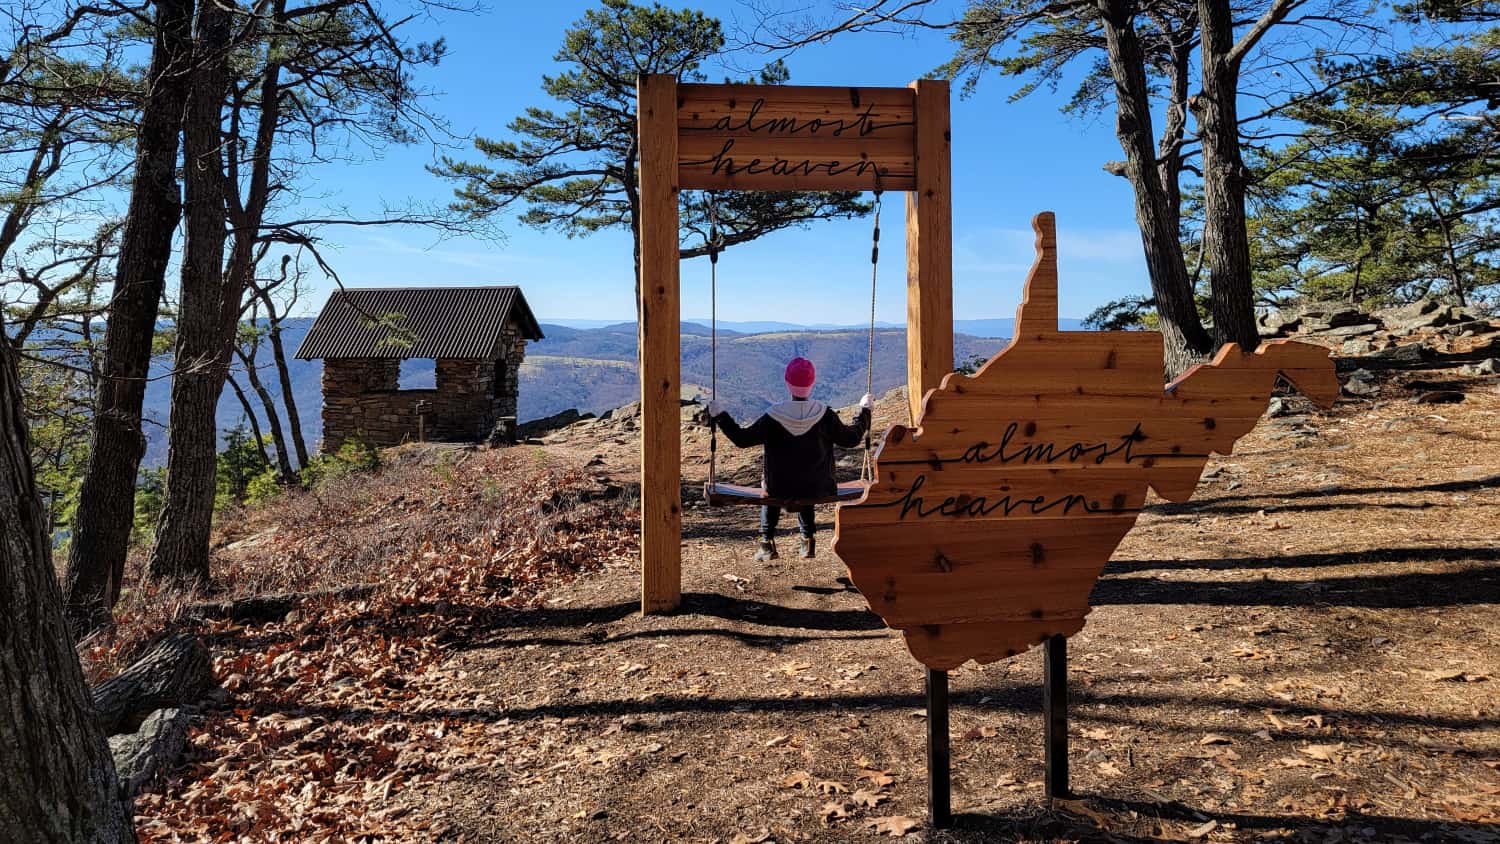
894	825
878	779
1323	752
797	779
834	811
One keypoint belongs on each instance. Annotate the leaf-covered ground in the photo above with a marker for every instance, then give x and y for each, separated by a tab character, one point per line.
1308	651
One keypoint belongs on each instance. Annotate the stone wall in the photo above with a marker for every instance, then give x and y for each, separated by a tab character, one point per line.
361	398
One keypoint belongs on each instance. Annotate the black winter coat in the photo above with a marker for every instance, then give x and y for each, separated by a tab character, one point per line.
797	465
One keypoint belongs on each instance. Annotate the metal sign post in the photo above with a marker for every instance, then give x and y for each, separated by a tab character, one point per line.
939	784
1055	711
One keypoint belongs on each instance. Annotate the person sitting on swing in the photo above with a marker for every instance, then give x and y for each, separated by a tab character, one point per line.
798	436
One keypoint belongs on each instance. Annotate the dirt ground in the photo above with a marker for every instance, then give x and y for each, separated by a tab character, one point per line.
1307	651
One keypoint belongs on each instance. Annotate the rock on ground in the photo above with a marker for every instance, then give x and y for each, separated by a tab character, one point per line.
155	747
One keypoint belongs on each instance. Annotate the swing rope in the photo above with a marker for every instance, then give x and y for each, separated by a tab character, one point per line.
866	471
713	341
715	246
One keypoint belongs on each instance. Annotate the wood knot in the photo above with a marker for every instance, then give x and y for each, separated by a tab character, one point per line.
943	562
1038	554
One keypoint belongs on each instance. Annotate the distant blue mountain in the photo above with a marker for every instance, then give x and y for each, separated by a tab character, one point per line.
590	364
1002	327
1005	327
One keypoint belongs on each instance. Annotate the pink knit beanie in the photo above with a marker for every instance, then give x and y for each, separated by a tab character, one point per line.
799	377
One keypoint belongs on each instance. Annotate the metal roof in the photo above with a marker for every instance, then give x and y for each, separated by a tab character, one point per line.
417	322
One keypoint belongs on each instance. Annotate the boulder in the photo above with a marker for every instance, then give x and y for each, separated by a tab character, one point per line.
1276	323
1348	316
1356	346
1410	356
1435	319
1484	367
1468	327
155	747
1361	382
1400	317
1333	314
624	411
1353	330
548	424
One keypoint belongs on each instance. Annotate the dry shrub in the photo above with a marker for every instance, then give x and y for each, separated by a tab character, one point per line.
509	518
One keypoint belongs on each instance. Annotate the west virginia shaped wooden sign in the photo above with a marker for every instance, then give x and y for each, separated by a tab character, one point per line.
986	527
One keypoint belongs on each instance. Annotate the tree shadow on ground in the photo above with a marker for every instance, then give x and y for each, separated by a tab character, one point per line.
474	627
1139	821
772	642
1306	561
1407	590
1230	504
1025	699
776	615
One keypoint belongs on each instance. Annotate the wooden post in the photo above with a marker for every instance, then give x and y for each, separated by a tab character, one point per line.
660	353
1055	711
939	754
929	248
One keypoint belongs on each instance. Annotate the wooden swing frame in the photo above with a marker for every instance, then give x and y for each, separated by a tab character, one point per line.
776	138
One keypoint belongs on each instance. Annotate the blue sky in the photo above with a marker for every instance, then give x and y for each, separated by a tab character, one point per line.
1010	160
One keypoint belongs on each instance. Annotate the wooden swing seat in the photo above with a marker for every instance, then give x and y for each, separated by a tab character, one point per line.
722	495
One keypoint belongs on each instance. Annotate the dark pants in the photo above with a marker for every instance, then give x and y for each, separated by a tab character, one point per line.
771	516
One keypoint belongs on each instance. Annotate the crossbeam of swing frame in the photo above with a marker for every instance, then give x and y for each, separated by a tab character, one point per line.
830	138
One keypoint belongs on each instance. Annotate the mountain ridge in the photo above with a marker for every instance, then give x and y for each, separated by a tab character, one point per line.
593	370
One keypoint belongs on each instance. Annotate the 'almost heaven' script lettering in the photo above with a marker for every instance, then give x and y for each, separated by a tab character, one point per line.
861	125
725	163
1006	502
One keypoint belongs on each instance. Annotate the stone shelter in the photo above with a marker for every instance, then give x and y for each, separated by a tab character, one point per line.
476	336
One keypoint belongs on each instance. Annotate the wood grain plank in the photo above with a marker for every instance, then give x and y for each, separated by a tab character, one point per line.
661	440
766	137
929	247
987	526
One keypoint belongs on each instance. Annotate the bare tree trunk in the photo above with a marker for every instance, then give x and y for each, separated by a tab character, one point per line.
260	441
1182	332
278	438
1456	275
106	499
284	374
57	779
203	344
1226	238
633	196
1169	150
176	671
